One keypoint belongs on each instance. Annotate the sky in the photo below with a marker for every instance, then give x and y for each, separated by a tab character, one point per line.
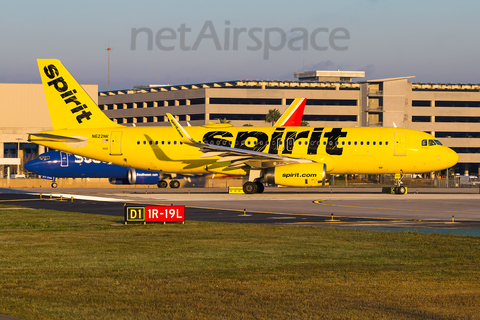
184	42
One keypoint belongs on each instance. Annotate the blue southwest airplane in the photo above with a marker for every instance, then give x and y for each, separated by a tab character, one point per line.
56	164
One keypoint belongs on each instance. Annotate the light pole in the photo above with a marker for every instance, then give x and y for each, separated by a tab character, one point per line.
18	153
109	49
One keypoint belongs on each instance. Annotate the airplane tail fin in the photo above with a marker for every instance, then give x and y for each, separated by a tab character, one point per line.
69	105
292	117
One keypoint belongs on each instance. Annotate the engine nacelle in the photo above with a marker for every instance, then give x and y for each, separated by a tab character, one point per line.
135	176
297	175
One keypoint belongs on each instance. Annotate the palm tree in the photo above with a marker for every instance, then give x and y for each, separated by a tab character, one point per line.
272	116
304	123
224	120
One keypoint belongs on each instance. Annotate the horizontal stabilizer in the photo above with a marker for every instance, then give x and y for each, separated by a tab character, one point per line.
54	137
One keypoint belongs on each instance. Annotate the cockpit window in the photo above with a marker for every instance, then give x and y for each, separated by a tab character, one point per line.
430	142
44	158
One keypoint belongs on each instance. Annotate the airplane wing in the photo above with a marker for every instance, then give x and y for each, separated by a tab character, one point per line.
238	157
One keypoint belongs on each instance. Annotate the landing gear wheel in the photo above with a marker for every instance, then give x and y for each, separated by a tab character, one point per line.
400	190
174	184
162	184
249	187
54	185
260	187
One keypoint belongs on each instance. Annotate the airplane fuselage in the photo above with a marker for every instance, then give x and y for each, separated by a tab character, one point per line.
349	150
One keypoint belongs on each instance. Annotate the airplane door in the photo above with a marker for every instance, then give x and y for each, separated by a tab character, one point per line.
116	143
63	159
400	145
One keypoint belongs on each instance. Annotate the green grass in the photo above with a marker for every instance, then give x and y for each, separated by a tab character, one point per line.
59	265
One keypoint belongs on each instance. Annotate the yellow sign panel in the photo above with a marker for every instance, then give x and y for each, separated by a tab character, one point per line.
135	214
235	190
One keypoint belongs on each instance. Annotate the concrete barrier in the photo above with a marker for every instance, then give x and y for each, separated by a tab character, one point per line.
103	183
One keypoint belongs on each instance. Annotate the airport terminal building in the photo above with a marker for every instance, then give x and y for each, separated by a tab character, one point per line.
450	112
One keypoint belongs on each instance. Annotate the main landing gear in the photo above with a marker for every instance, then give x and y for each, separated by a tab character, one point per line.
254	184
54	185
253	187
174	184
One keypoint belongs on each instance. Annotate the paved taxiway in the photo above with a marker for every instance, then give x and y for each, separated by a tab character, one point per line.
350	207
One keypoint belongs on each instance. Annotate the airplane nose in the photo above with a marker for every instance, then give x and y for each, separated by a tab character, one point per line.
30	165
450	157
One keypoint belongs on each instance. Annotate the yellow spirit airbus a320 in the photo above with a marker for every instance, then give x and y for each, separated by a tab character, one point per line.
290	156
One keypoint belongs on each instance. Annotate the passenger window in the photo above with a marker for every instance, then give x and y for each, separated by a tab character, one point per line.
361	143
138	142
373	142
349	143
168	142
144	142
424	142
368	143
386	143
174	142
324	143
379	143
290	143
156	142
355	143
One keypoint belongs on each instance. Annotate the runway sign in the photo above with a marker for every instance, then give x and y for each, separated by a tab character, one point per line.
165	213
154	214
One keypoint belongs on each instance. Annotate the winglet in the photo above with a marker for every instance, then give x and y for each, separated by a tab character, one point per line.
185	137
292	117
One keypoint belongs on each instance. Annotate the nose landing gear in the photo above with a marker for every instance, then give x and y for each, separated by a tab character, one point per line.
399	189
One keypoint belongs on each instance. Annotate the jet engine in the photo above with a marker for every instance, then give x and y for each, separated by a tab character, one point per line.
135	176
297	175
